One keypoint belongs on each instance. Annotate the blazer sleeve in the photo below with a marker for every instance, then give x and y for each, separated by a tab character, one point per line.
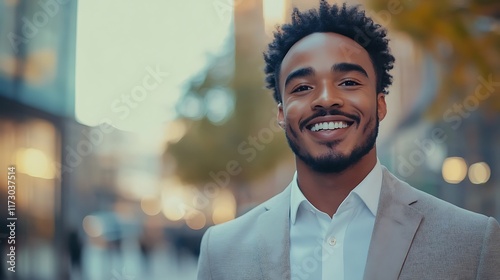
489	261
204	272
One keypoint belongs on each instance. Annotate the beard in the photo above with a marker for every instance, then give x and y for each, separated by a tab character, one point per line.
334	162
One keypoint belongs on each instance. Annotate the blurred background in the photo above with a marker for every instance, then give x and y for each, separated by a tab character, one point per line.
134	126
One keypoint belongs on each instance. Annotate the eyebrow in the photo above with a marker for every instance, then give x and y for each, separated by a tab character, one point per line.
299	73
348	67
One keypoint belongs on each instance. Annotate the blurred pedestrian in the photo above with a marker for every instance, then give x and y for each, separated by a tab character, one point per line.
75	252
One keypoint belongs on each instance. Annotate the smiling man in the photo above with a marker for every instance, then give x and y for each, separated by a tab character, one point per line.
344	215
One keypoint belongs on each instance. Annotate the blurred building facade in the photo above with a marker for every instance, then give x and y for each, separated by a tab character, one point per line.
65	171
37	42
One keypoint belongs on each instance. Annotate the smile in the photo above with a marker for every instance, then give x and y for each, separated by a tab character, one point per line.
328	126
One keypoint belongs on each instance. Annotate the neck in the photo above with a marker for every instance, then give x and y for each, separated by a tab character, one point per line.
326	191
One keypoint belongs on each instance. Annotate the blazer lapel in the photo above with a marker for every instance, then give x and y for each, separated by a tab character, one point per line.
274	245
395	226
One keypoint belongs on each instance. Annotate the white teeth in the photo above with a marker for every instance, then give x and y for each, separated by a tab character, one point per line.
328	125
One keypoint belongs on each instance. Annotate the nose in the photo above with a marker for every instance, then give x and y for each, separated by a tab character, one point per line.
326	98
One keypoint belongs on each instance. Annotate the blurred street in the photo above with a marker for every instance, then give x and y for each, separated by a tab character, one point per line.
127	129
161	264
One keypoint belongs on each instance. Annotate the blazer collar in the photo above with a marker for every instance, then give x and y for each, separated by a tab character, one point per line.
395	226
274	248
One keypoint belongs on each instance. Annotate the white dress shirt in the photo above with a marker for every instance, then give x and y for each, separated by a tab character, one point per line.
333	248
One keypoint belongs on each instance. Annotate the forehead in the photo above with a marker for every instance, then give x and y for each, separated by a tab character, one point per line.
322	50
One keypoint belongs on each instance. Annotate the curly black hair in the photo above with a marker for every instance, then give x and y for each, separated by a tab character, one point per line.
347	21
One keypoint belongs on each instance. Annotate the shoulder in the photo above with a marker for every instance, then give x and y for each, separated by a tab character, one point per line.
229	249
437	213
245	228
449	240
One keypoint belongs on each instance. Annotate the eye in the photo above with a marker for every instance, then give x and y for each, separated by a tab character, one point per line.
301	88
350	83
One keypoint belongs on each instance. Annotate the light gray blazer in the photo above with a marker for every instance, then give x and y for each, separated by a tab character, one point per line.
416	236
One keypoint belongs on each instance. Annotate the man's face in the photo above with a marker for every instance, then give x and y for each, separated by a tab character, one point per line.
330	109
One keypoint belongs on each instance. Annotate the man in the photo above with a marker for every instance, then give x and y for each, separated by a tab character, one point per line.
344	216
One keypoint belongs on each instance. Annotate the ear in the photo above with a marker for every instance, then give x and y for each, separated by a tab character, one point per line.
381	106
280	116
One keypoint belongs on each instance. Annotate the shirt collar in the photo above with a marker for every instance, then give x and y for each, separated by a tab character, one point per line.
368	191
296	198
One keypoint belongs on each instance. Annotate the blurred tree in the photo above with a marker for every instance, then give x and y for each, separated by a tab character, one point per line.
229	114
464	38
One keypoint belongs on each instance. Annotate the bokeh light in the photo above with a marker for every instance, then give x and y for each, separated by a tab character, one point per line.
224	207
196	220
93	226
479	173
454	170
35	163
219	105
172	202
151	206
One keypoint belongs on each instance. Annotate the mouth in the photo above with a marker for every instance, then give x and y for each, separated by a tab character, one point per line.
326	129
331	125
328	120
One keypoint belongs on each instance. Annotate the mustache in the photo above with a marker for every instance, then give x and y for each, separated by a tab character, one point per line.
323	112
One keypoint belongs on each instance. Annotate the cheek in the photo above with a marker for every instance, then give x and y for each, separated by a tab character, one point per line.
293	113
291	131
366	106
370	124
295	109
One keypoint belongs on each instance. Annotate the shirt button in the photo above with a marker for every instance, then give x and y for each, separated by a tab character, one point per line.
332	241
